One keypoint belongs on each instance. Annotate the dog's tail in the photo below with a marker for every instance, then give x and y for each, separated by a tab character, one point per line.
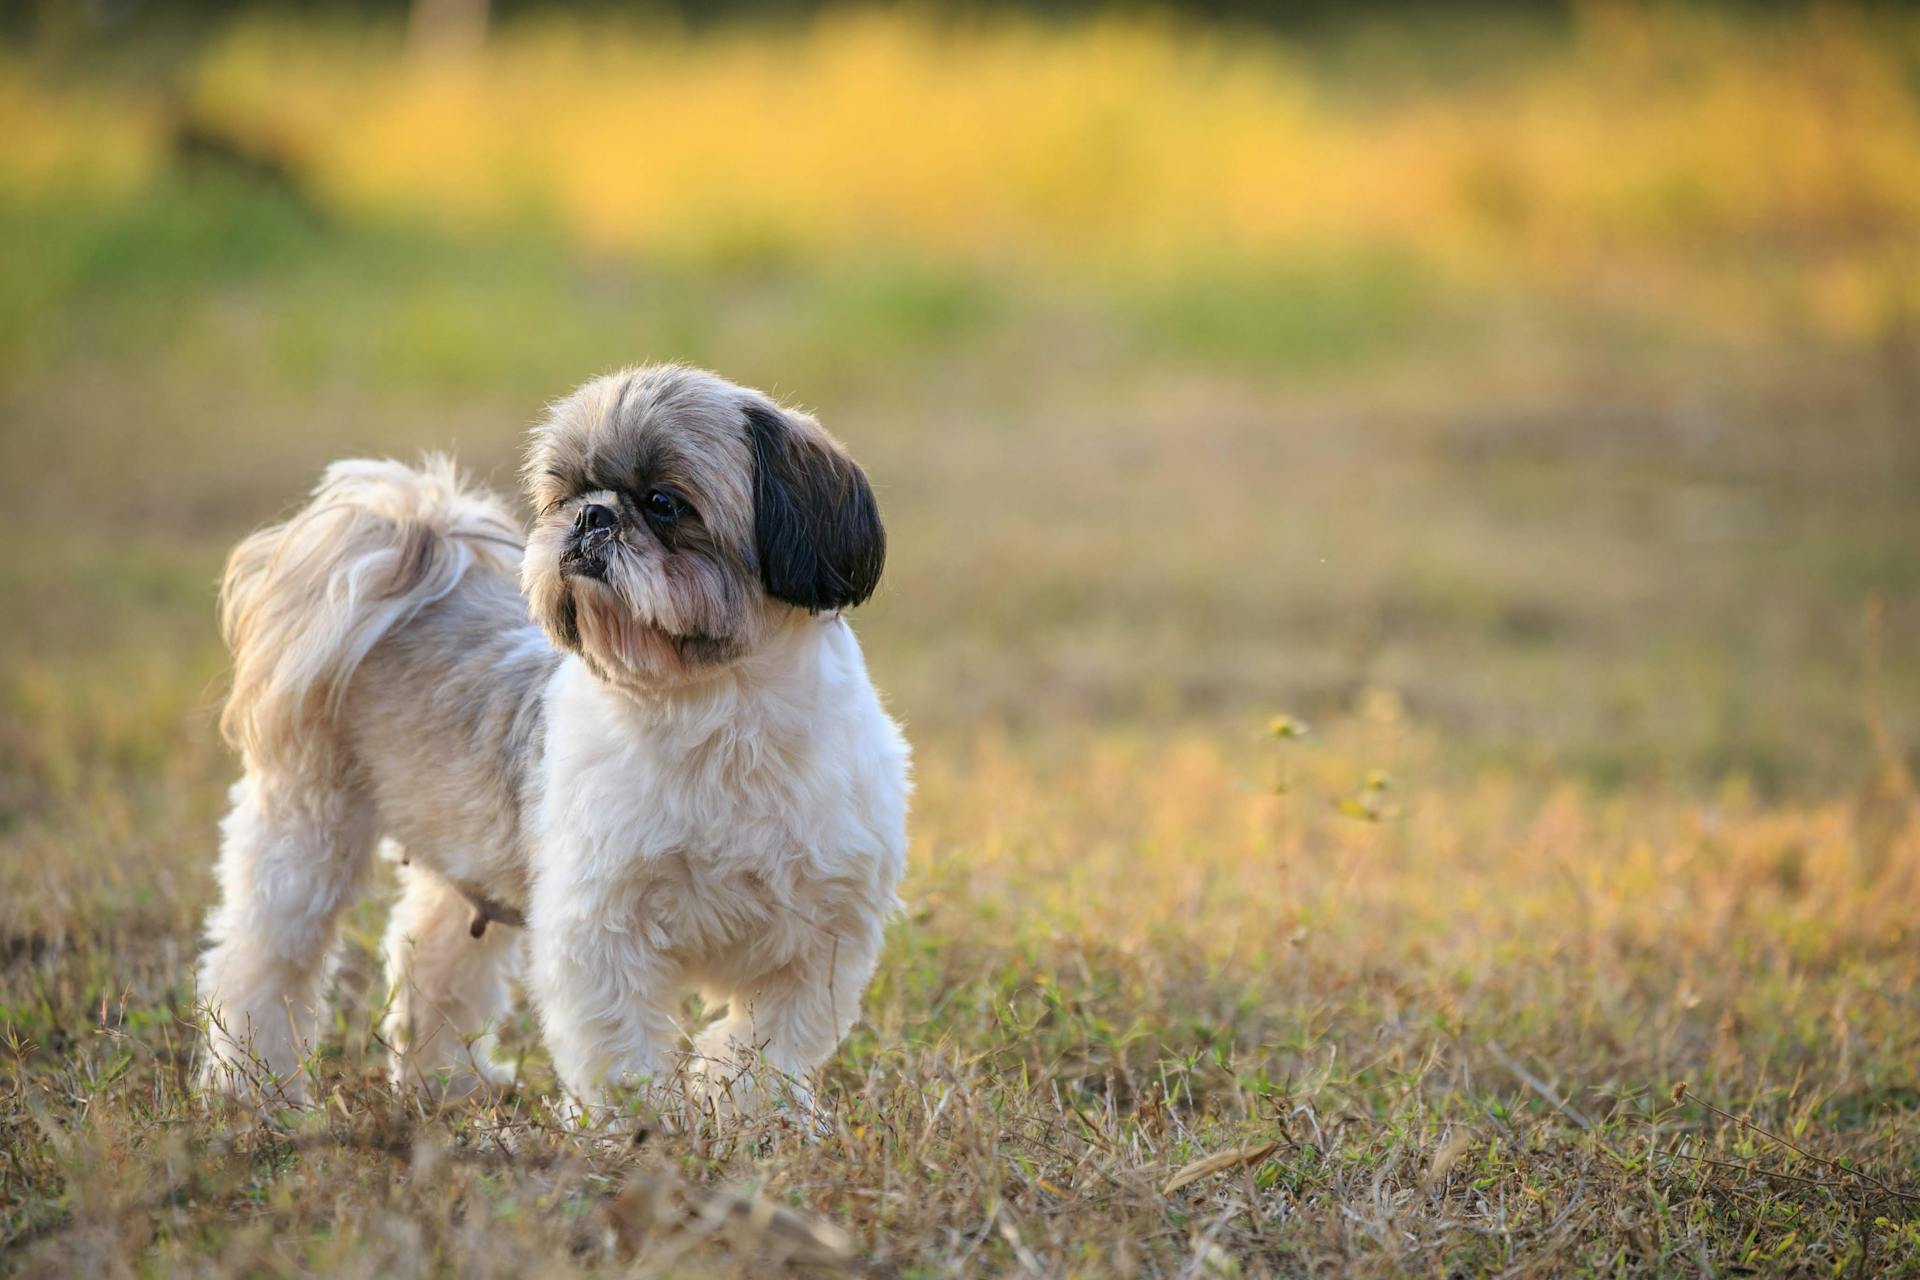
303	602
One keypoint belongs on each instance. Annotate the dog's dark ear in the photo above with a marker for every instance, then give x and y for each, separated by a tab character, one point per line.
815	524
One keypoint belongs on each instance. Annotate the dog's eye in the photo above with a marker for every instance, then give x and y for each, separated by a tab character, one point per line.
662	508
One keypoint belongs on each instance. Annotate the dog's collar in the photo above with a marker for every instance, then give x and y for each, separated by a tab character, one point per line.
486	911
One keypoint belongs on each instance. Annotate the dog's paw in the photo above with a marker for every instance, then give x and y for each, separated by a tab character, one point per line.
473	1078
807	1120
752	1091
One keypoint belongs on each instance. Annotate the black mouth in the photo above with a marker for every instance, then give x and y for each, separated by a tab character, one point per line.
575	563
585	554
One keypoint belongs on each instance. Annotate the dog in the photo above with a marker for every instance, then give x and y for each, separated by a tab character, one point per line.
677	774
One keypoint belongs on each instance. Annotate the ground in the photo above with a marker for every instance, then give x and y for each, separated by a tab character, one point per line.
1413	775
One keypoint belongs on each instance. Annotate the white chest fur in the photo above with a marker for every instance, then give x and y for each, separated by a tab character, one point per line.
725	830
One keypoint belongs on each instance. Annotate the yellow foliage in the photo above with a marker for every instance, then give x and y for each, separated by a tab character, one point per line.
1666	143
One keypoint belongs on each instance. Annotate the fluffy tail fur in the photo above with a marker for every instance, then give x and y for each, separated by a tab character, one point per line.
303	602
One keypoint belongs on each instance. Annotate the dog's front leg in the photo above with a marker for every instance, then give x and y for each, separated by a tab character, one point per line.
780	1028
604	992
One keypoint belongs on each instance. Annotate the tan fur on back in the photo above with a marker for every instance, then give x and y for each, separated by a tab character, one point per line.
303	602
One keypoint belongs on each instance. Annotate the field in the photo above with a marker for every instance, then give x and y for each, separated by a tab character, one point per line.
1404	582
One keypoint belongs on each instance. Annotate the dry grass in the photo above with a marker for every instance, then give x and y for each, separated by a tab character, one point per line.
1441	1030
1437	982
1537	434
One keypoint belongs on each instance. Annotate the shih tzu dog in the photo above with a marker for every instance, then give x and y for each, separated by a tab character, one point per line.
680	779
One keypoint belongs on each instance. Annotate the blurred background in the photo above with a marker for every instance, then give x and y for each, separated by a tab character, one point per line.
1524	396
1547	371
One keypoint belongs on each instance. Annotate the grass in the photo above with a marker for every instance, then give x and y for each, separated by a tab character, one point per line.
1593	570
1460	1024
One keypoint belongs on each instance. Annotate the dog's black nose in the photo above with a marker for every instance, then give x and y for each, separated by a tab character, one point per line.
593	518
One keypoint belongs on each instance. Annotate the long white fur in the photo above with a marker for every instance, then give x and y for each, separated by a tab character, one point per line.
744	842
302	604
739	832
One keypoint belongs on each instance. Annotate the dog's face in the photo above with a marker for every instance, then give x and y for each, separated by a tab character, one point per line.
680	519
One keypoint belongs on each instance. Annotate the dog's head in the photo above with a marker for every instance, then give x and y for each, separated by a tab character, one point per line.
681	519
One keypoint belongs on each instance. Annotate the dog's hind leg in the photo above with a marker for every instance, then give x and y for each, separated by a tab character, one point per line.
292	857
447	990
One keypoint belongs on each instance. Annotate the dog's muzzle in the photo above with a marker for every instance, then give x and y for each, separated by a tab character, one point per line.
585	554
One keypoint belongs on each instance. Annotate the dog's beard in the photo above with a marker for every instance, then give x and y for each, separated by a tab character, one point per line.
645	621
616	639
